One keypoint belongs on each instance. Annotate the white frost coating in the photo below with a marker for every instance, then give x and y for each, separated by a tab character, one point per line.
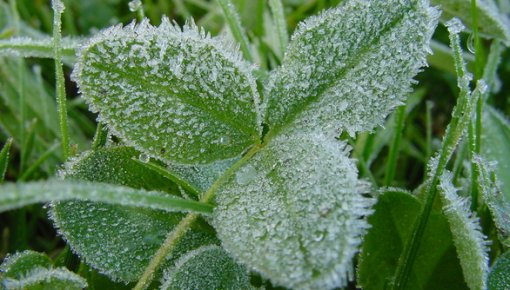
455	26
59	278
297	217
470	242
173	94
348	68
58	6
207	267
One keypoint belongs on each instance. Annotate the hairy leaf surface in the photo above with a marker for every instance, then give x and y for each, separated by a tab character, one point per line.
499	277
180	96
120	241
294	212
437	265
18	264
471	244
207	267
348	68
491	22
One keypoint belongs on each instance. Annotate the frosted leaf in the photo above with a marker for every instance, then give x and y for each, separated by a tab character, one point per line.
471	244
33	270
499	277
491	22
202	176
174	95
207	267
20	263
120	241
492	195
348	68
296	216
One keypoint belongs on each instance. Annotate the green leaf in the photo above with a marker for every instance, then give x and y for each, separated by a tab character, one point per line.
349	67
471	244
16	195
499	277
294	212
15	266
34	271
496	146
491	22
4	159
391	226
488	186
179	96
207	267
119	241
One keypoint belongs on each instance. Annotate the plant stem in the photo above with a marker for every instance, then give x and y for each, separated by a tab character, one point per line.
460	120
391	165
236	28
184	225
58	8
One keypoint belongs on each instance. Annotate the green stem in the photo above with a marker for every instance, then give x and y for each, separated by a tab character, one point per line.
4	159
58	8
391	165
184	225
236	28
460	120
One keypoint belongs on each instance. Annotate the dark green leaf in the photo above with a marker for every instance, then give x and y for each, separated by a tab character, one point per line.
499	277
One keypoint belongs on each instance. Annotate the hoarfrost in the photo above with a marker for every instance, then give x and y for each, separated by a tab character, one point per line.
172	89
296	212
348	68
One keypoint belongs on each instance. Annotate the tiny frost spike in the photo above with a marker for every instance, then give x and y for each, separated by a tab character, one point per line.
176	95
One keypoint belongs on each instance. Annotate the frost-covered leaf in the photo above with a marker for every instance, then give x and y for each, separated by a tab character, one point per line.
391	227
471	244
349	67
32	270
294	212
499	277
180	96
488	186
120	241
491	22
16	265
207	267
496	146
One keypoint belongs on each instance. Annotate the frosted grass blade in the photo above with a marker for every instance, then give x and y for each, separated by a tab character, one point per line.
4	158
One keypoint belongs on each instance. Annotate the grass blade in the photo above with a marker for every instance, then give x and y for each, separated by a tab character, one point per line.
18	195
4	159
234	22
281	25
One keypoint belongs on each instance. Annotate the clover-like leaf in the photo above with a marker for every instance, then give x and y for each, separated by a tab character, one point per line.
294	212
491	22
208	267
471	244
348	68
30	270
180	96
120	241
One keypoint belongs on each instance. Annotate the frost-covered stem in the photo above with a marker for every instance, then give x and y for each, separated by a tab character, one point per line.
100	136
281	24
236	28
168	245
391	165
58	9
4	159
428	124
461	116
184	225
